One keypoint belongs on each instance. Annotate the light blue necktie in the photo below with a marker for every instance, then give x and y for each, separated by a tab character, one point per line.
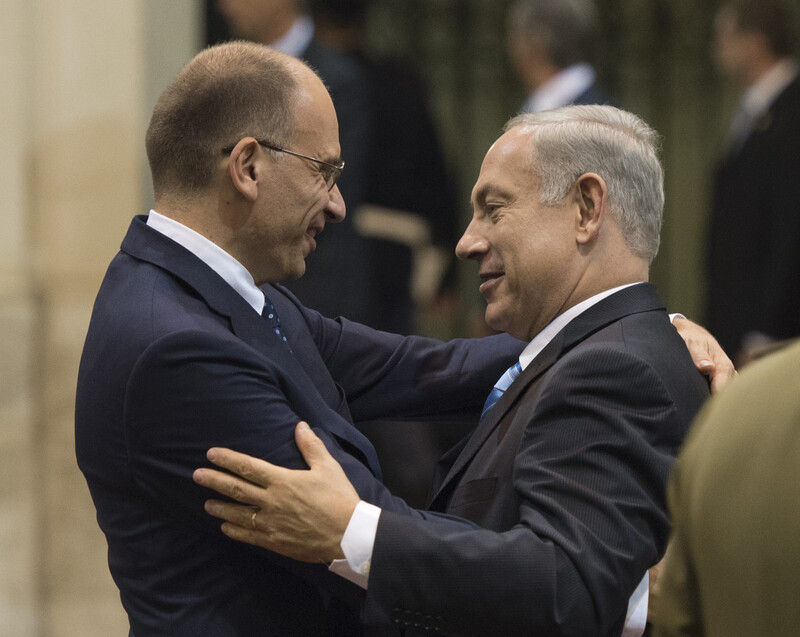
500	386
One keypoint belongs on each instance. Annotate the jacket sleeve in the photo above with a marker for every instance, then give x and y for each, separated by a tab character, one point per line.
386	375
192	390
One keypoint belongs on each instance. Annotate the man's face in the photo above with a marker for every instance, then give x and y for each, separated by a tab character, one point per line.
257	19
294	202
525	250
731	47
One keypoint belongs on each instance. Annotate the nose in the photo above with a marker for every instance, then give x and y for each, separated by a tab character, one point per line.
472	244
335	210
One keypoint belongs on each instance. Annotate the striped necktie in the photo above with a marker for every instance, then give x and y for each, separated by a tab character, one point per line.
500	386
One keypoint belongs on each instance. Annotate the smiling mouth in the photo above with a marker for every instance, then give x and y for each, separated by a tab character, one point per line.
490	281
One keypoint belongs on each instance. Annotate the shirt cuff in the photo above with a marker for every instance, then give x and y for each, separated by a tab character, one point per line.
357	544
672	317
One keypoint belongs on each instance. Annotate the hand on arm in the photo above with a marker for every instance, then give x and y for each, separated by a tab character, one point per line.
299	514
706	353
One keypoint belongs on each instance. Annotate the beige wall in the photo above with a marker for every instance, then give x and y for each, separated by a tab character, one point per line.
78	81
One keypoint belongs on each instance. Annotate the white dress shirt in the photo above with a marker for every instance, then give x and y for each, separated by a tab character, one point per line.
759	97
296	40
561	89
233	272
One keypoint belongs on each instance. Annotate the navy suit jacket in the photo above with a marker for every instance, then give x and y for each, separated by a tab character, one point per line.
175	362
567	473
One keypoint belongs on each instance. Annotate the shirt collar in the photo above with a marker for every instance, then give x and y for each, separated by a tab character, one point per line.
561	89
758	97
297	39
541	340
233	272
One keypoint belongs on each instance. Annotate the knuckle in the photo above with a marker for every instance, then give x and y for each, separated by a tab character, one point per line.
236	491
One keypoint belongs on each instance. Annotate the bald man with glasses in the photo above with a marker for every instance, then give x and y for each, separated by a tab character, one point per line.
185	349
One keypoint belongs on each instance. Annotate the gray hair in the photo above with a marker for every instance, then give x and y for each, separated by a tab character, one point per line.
619	146
225	93
564	27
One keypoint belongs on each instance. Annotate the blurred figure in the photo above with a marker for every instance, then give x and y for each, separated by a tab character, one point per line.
336	279
550	44
410	211
733	566
754	233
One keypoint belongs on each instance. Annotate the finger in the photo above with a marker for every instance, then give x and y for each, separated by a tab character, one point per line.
233	513
271	542
244	534
721	378
705	366
231	486
313	449
252	469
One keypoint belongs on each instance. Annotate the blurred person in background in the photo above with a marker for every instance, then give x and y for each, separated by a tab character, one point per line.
754	231
550	44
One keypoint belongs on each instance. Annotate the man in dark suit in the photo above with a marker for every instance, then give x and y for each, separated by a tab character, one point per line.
754	249
184	351
566	471
550	44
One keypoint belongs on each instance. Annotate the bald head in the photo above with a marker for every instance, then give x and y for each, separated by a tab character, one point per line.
225	93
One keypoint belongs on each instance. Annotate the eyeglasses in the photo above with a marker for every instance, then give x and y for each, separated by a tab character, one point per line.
330	172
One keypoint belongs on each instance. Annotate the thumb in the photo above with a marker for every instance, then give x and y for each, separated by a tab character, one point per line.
312	448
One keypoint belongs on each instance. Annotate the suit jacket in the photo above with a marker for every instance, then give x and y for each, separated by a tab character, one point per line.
733	566
754	249
567	472
175	362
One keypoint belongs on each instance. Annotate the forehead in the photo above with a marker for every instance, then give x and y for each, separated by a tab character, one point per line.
507	164
315	116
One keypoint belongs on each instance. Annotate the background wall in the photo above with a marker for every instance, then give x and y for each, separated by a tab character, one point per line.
78	82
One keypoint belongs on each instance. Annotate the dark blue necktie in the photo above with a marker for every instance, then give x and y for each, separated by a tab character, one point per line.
271	316
500	386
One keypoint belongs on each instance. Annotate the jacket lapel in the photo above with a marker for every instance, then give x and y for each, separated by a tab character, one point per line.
546	358
142	242
637	298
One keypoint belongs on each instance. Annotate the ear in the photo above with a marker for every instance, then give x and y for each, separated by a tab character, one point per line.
593	207
243	169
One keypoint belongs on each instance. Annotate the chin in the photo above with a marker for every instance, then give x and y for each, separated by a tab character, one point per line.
494	319
299	270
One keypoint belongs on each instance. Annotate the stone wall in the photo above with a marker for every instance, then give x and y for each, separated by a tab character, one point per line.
78	79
